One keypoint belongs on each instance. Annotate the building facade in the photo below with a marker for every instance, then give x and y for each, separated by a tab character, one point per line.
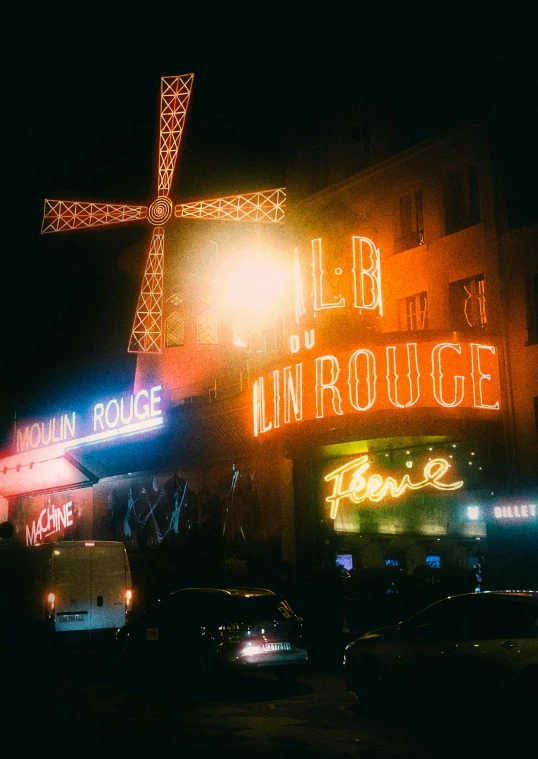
383	416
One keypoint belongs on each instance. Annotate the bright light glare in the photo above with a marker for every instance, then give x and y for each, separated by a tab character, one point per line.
252	284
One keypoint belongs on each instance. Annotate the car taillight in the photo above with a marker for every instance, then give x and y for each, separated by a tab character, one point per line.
252	649
51	604
128	599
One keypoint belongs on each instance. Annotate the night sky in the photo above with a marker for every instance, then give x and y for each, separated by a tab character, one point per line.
80	96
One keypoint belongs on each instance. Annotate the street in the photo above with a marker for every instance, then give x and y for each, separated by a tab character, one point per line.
79	703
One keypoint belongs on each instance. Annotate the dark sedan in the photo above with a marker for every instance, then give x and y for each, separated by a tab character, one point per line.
483	640
218	629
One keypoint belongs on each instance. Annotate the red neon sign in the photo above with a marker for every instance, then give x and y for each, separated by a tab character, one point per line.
378	377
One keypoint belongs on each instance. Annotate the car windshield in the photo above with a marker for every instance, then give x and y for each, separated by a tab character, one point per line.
221	609
255	609
481	615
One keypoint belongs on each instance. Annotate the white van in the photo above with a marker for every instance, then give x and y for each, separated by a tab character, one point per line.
83	585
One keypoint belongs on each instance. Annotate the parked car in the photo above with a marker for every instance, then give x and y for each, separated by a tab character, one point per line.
486	640
218	629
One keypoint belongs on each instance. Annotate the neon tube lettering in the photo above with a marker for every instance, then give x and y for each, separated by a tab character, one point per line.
131	410
98	413
145	408
46	440
322	386
366	278
115	405
437	376
54	438
478	375
317	273
295	344
258	400
155	400
354	381
276	397
413	375
34	441
293	393
69	426
375	488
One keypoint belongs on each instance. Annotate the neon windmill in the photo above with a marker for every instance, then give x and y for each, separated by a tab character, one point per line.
63	215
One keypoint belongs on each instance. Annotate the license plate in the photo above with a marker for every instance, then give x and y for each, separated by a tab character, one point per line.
277	647
70	618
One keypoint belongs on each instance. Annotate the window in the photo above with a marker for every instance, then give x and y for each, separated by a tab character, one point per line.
413	312
410	223
433	561
208	329
481	616
462	202
175	299
531	293
175	331
467	301
344	561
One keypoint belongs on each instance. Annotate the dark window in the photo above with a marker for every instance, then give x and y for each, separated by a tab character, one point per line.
479	616
467	301
256	609
462	201
410	222
413	312
531	293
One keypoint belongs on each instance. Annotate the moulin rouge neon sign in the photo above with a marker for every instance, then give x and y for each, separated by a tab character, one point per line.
350	482
321	383
111	418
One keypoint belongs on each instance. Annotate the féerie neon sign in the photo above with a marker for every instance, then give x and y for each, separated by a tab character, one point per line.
350	482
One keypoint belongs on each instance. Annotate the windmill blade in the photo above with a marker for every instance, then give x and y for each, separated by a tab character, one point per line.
62	215
266	205
146	335
175	94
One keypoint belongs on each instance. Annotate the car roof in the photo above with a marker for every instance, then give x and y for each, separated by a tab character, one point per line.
530	595
231	592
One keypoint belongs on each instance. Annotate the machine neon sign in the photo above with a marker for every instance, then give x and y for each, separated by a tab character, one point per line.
52	519
350	482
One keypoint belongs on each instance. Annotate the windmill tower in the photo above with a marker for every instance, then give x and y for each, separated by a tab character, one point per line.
62	215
